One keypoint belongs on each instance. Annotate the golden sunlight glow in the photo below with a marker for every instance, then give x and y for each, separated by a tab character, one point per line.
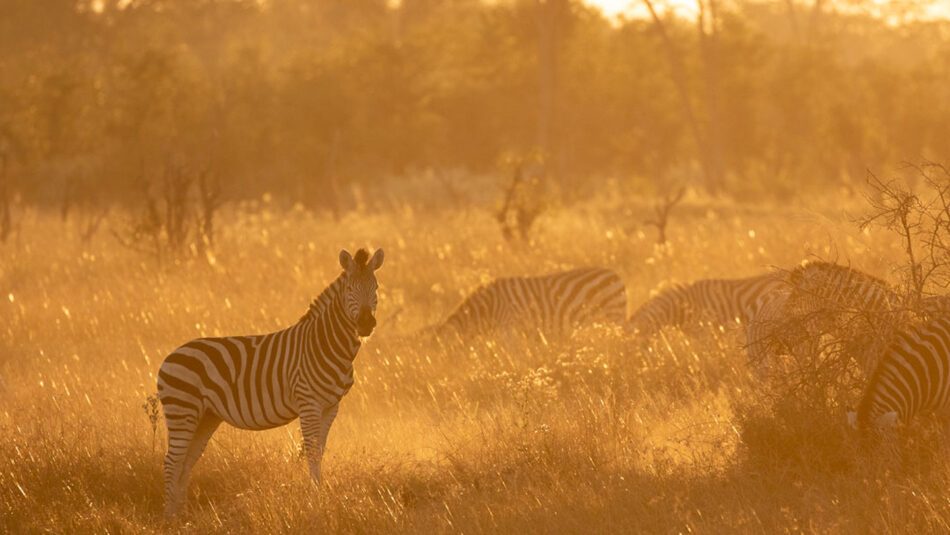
886	9
615	9
640	254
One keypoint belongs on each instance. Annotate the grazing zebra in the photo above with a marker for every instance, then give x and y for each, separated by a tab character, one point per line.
913	376
264	381
823	285
720	301
553	304
857	309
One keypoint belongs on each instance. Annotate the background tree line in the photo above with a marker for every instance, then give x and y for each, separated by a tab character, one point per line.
102	100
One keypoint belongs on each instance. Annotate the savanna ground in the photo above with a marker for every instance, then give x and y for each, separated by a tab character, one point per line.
589	434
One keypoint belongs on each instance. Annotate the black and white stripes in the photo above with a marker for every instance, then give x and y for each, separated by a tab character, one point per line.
913	376
722	301
856	308
552	303
264	381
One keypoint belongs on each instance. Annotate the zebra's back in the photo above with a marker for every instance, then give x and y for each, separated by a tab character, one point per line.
582	295
722	301
743	297
554	303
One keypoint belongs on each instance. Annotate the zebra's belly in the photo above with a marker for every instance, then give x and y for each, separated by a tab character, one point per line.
253	408
254	425
244	414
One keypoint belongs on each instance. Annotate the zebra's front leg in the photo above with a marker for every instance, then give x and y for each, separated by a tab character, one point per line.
315	426
329	414
757	347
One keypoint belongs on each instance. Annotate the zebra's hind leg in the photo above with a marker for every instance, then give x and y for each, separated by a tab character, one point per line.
181	432
206	427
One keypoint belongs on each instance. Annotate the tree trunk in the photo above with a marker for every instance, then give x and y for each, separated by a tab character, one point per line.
679	80
549	14
716	136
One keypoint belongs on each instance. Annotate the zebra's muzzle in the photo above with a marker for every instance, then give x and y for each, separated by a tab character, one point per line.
365	322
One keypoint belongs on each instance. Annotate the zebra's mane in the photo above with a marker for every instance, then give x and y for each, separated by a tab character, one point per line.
322	302
480	292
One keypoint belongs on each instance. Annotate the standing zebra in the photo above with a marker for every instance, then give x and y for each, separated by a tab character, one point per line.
913	376
721	301
264	381
553	303
857	309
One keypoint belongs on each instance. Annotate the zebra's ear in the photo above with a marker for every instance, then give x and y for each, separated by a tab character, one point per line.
376	261
887	419
346	260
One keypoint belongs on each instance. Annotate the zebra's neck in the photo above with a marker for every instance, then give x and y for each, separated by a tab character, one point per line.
341	326
473	314
874	403
871	409
325	299
331	328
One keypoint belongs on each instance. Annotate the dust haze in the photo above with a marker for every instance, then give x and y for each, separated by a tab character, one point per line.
175	169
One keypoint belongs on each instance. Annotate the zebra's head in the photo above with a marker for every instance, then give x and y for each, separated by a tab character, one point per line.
934	306
359	288
881	423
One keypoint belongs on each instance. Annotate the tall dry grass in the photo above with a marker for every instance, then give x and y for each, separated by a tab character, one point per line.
591	434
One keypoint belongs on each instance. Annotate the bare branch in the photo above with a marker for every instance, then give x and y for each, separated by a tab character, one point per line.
662	212
210	198
90	221
521	206
678	74
177	213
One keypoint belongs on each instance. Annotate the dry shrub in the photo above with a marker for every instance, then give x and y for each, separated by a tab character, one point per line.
524	198
828	349
177	213
921	220
795	417
794	432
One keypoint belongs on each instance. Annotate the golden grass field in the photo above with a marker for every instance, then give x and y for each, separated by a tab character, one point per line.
586	435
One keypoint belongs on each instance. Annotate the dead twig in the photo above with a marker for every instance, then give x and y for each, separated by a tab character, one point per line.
662	211
522	203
